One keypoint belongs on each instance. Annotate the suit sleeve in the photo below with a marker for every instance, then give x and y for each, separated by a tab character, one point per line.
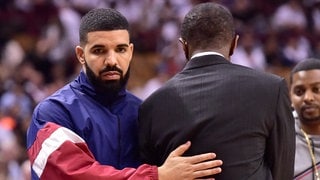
281	144
59	153
147	151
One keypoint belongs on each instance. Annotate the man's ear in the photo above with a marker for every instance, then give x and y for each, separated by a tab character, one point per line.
185	48
234	45
80	54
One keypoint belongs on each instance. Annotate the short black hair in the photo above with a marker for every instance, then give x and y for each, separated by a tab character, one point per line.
208	24
101	19
305	65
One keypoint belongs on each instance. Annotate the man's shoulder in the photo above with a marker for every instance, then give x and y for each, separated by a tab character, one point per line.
258	74
132	98
165	92
63	94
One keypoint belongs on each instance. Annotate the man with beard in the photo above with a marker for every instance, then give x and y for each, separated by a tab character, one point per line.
305	97
88	128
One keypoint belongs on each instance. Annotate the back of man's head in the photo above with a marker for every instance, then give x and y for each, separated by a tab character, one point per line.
101	19
208	24
305	65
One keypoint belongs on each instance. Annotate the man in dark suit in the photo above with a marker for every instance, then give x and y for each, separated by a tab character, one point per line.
242	115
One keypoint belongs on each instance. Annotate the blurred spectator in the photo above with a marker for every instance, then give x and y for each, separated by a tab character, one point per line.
243	10
289	15
272	50
249	51
9	152
15	102
34	82
296	47
316	48
315	15
25	168
154	83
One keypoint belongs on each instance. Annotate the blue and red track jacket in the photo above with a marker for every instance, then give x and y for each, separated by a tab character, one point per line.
78	134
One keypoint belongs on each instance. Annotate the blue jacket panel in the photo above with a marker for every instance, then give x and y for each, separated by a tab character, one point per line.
108	123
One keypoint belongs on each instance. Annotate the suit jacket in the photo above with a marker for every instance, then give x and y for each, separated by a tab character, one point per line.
242	115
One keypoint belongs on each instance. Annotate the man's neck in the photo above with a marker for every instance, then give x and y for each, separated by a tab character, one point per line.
311	130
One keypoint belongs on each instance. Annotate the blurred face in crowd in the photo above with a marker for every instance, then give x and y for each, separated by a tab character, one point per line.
305	97
106	58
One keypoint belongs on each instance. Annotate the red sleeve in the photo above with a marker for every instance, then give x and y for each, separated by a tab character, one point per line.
59	153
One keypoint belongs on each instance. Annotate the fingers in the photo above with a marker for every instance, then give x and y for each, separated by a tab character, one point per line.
205	167
214	164
180	150
208	168
207	172
201	157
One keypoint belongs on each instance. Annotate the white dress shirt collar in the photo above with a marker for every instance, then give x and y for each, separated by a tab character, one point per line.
206	53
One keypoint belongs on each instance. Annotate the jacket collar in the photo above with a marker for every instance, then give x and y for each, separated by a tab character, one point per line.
206	61
82	83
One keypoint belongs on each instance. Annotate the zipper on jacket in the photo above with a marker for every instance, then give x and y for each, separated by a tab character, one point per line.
119	142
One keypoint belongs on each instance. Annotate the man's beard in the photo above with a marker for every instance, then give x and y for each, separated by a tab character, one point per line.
308	119
107	86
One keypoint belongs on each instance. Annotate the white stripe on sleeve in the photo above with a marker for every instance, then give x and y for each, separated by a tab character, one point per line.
52	143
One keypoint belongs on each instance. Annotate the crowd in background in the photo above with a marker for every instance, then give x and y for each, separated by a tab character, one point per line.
38	37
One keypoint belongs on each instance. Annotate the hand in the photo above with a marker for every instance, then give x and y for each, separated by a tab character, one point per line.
178	167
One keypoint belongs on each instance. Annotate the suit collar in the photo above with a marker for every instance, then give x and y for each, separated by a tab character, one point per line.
205	61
